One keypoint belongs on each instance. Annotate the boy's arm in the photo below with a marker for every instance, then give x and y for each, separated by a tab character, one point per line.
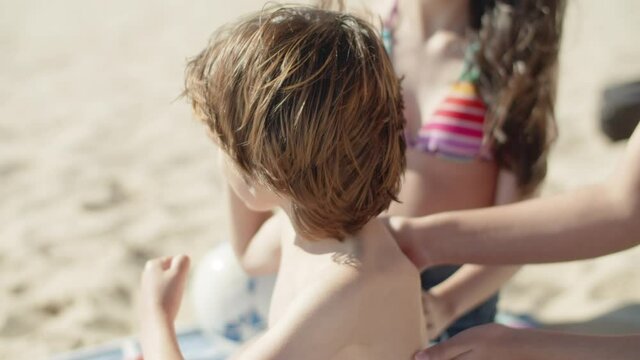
317	325
162	286
255	236
472	284
494	342
590	222
159	339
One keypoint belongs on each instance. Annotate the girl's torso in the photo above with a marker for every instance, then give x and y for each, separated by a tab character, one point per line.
434	180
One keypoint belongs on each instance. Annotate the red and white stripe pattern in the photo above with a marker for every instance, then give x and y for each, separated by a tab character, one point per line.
455	130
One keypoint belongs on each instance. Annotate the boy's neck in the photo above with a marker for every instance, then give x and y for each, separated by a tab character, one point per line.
318	246
350	247
348	251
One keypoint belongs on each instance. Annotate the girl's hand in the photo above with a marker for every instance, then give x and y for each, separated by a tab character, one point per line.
498	342
163	281
414	247
485	342
437	314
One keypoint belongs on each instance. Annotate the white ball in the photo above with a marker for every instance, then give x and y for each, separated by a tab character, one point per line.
229	305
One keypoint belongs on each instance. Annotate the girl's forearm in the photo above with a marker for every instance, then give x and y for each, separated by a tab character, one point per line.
470	286
591	222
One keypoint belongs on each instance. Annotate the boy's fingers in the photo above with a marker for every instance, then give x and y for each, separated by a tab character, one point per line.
179	264
165	262
172	265
157	264
153	264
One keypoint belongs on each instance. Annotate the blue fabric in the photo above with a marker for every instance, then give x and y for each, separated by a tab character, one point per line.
193	343
483	314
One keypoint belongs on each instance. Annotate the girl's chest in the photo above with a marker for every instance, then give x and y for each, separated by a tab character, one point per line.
427	79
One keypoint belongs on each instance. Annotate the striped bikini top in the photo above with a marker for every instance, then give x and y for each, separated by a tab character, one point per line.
455	130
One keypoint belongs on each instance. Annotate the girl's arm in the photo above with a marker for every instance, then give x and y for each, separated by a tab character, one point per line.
499	342
462	292
590	222
472	284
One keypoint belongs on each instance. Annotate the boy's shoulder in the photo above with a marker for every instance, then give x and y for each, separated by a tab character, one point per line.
360	288
349	285
363	267
322	317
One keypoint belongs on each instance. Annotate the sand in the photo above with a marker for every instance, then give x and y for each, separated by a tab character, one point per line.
102	168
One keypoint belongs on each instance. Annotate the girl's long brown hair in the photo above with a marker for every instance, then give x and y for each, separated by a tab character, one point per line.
518	57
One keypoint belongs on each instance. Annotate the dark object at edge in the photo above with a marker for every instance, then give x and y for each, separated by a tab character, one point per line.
620	111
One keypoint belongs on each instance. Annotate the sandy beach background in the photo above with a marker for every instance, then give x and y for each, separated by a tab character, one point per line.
102	168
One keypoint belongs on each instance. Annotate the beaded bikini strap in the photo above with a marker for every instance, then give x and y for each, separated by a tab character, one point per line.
388	26
471	71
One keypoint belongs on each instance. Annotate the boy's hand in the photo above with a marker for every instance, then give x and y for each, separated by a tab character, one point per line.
437	314
163	281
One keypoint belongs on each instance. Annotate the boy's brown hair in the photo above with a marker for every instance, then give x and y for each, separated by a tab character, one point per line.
306	102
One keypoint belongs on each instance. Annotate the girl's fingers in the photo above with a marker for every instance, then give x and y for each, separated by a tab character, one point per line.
444	351
469	355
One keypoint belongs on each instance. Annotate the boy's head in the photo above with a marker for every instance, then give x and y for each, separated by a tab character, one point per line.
305	102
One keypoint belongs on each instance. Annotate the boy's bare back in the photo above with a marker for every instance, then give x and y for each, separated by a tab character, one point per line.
355	299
